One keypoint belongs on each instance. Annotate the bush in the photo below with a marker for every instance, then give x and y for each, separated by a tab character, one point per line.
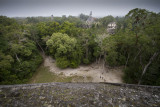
132	74
111	58
85	61
74	64
121	60
152	76
62	62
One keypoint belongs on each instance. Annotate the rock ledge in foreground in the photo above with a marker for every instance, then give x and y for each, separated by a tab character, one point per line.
79	94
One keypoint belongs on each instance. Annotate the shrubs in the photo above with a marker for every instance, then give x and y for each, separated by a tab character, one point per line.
85	61
62	62
132	74
74	64
111	58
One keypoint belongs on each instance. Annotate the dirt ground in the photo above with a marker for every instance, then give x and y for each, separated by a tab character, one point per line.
93	71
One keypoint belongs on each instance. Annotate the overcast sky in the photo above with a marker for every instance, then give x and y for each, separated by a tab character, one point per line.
12	8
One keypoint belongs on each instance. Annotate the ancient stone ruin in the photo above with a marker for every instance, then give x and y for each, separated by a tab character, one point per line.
90	20
111	27
79	95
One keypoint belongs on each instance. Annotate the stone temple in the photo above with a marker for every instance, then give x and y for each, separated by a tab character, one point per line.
111	27
90	20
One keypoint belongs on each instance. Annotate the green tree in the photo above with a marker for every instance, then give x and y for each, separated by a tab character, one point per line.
106	20
19	56
142	49
61	45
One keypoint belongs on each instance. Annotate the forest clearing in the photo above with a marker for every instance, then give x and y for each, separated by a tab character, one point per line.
84	73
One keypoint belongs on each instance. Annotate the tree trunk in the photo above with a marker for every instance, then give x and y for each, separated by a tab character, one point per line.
86	52
96	60
87	49
17	58
40	47
34	37
137	55
146	66
99	58
104	61
141	61
127	61
136	39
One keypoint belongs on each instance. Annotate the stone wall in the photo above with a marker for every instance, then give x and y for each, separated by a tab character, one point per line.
79	95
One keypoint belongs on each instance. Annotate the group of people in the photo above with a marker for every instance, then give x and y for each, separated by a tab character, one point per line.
102	78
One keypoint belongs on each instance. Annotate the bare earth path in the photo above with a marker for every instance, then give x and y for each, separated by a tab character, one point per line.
93	71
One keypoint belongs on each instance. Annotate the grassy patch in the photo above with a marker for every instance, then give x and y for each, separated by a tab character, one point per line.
81	79
42	75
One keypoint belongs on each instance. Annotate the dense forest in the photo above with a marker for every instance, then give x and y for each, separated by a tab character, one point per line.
135	45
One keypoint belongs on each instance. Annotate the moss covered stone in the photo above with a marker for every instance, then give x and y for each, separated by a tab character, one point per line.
79	94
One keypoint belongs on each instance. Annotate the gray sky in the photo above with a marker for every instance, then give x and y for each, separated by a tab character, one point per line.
12	8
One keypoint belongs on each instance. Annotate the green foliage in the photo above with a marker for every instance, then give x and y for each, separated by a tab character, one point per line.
83	17
19	56
61	45
69	28
32	20
96	51
86	61
87	42
152	76
112	58
74	64
106	20
76	56
65	38
140	46
62	62
132	74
